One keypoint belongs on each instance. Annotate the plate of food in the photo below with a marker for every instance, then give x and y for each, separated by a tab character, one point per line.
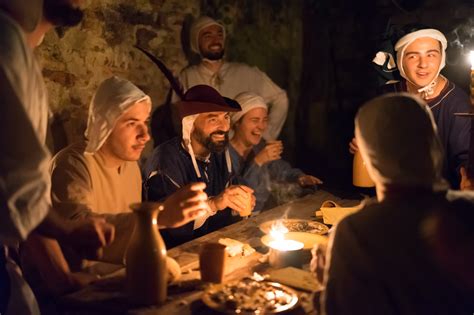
295	225
249	296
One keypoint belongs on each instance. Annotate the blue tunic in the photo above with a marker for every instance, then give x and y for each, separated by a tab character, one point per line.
453	131
171	168
262	178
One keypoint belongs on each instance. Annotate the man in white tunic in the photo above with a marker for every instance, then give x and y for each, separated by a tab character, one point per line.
207	38
24	158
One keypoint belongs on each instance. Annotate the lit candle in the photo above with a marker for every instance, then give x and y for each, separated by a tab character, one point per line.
471	59
286	245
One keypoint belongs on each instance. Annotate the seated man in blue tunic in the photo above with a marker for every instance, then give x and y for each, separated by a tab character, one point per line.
258	161
421	55
200	155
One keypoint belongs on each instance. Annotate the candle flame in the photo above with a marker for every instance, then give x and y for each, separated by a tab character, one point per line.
471	59
278	231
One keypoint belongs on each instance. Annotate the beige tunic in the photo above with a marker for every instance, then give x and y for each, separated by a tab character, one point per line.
83	186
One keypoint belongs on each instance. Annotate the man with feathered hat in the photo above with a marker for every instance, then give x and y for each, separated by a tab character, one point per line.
207	39
100	177
420	57
199	155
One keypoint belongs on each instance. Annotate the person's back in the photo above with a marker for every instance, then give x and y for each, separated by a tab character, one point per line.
383	261
452	130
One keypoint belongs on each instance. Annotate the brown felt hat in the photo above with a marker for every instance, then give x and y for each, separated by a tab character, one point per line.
205	99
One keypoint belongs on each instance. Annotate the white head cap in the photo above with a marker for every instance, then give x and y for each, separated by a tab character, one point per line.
196	28
398	140
248	101
406	40
113	98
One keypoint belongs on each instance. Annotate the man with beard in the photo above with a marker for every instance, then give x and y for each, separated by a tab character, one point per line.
24	158
99	177
200	155
207	38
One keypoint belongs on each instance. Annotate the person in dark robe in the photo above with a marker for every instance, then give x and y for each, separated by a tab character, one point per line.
385	258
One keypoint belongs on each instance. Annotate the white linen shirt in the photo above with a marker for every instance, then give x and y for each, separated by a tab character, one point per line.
24	159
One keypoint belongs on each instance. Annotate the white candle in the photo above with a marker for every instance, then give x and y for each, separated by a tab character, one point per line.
286	245
471	59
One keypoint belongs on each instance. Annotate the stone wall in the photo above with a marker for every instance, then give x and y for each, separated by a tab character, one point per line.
76	60
262	33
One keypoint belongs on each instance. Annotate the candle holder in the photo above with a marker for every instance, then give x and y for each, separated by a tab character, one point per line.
470	165
471	58
286	253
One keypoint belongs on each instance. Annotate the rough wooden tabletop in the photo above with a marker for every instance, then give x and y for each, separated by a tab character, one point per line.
108	297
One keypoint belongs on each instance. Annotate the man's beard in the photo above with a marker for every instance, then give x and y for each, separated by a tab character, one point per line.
218	55
214	147
61	13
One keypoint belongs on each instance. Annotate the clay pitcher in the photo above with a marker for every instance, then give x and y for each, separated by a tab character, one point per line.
360	175
146	270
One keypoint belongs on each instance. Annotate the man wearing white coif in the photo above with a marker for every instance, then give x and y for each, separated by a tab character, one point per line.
421	55
384	258
200	154
207	38
24	177
100	177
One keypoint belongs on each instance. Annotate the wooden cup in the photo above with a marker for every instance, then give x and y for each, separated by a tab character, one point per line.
212	261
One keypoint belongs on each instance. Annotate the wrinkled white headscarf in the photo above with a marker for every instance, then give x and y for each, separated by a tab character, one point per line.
247	101
398	140
198	25
113	98
406	40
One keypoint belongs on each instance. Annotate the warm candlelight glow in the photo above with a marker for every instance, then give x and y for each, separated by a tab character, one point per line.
278	231
471	59
286	245
277	234
154	221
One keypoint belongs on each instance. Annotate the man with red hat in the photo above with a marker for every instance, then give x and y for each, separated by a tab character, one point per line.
200	155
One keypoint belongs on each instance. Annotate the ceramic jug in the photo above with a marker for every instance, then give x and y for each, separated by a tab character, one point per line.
146	270
360	176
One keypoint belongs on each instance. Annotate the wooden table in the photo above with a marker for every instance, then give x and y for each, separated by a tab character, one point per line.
107	296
